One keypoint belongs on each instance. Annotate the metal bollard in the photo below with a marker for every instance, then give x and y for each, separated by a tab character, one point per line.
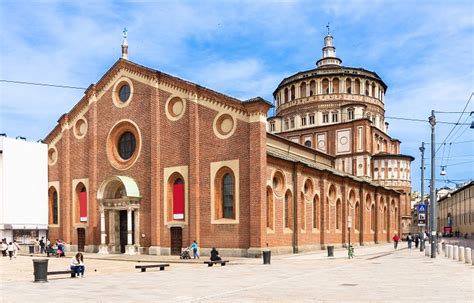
455	253
461	254
450	251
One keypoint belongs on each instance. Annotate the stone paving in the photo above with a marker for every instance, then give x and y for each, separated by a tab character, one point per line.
377	274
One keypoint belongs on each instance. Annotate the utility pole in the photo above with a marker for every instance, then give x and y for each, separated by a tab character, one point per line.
433	227
422	149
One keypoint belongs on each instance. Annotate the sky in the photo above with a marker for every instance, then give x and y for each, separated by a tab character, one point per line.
423	50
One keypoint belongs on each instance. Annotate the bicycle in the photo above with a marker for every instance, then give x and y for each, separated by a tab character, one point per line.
350	252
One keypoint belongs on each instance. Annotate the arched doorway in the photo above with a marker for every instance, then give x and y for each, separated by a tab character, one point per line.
119	209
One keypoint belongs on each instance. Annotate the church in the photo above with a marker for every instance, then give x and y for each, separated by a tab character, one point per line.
146	162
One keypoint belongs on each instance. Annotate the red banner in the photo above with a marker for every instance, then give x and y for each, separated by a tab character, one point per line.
178	201
83	206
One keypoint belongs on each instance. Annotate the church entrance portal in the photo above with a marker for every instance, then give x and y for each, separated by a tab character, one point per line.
176	240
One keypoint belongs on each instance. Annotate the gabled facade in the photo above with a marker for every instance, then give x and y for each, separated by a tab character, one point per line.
147	163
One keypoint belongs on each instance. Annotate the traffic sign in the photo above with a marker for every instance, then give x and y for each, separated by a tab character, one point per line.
421	208
421	217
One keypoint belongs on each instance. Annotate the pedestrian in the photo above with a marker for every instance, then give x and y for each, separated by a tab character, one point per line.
11	250
37	246
194	246
215	255
42	245
77	265
409	240
4	247
417	241
395	239
61	248
16	248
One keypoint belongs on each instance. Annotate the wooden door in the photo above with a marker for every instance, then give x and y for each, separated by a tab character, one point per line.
123	230
176	240
81	239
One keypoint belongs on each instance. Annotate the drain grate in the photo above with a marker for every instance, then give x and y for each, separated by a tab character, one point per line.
348	284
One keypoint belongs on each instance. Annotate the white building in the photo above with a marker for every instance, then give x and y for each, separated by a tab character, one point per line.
23	190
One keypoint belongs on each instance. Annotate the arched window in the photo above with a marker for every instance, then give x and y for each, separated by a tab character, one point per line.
338	214
303	212
367	88
228	196
348	85
357	87
315	211
55	208
312	88
357	217
396	218
178	199
325	86
372	217
373	90
293	95
80	203
286	94
269	207
335	85
303	90
126	145
287	209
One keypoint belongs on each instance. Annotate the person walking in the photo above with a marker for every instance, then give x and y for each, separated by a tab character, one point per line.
16	248
417	241
395	239
77	265
42	245
409	240
37	246
11	250
194	246
4	247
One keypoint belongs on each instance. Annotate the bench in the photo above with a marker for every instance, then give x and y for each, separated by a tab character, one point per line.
144	267
73	275
210	263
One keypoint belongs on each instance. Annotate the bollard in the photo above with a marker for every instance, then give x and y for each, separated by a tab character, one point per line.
428	250
472	256
455	253
446	251
467	255
440	248
450	251
461	254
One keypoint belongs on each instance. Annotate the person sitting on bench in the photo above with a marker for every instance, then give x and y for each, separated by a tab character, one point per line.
215	255
77	264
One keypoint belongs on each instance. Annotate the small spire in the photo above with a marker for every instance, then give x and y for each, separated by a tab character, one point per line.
125	45
329	57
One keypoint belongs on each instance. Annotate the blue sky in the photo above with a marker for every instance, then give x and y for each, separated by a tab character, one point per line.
423	51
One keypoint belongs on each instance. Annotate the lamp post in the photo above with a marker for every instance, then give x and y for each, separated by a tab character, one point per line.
433	227
422	149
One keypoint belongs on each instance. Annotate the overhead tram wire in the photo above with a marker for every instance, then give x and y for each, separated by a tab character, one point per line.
136	93
457	123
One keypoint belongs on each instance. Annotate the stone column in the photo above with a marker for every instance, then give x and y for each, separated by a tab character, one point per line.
103	249
129	248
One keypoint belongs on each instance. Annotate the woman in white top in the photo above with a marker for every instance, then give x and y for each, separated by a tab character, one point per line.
77	264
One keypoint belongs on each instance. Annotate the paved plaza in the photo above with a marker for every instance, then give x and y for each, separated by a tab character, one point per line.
378	273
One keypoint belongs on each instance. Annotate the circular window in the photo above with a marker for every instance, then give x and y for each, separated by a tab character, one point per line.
126	145
52	155
224	126
175	108
124	93
307	143
278	183
343	140
80	128
123	144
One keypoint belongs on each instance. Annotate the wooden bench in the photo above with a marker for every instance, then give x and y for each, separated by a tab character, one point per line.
210	263
73	275
144	267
